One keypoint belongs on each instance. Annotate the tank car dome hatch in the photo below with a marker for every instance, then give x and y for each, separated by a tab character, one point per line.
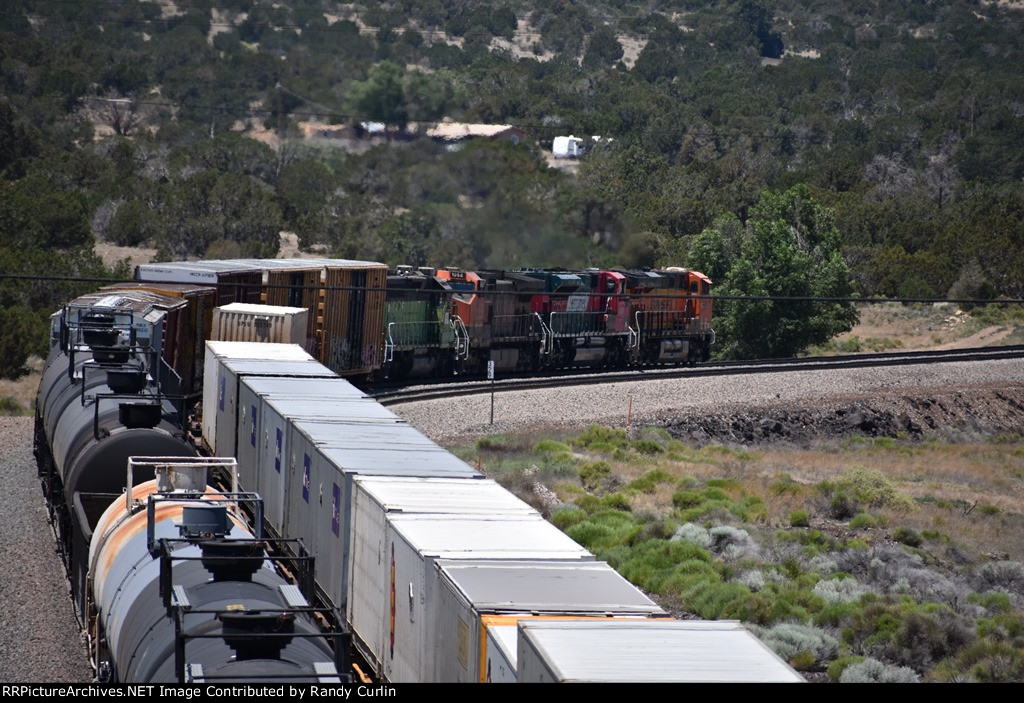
204	520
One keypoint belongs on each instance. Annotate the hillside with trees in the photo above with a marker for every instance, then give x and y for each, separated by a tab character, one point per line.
877	146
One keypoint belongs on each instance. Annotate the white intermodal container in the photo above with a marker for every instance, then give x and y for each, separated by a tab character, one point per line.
646	651
246	322
233	431
323	459
479	604
268	404
375	497
220	398
397	585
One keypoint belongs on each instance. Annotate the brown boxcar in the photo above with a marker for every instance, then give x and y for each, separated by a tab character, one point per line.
183	347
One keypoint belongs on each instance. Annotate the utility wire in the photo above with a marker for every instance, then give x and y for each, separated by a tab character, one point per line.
385	289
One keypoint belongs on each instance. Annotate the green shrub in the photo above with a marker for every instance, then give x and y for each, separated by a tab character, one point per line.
564	518
550	446
494	443
907	536
799	518
593	473
598	438
785	485
861	521
991	600
870	487
723	483
9	406
616	501
605	529
843	506
647	446
836	668
589	503
718	600
686	499
649	482
983	660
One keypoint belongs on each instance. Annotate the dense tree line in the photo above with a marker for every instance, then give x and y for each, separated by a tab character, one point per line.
903	121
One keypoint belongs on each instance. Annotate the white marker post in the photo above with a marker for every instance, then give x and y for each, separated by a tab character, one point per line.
490	377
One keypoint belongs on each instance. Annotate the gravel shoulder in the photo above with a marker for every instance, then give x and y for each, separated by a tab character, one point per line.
676	401
39	636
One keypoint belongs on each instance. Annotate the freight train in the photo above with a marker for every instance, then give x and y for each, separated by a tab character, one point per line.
367	322
418	565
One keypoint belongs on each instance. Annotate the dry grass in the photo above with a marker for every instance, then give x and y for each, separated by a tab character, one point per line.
23	390
891	326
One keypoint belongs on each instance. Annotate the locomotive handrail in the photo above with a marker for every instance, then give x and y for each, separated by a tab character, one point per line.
389	345
422	332
580	324
545	335
674	316
461	337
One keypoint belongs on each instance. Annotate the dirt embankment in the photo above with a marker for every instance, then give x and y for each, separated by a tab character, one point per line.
958	415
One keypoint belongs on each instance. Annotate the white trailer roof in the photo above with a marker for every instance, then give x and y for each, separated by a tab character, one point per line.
262	367
258	350
675	651
333	409
490	537
256	309
385	460
384	438
329	387
442	495
553	587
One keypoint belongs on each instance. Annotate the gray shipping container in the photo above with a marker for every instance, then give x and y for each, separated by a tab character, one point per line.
220	383
650	651
262	432
323	458
476	597
405	571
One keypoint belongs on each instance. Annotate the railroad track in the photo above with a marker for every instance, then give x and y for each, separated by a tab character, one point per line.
461	387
